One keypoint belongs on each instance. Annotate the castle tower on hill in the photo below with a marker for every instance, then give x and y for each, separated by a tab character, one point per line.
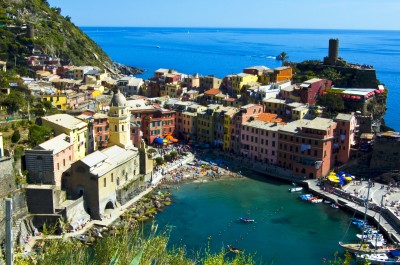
333	54
119	121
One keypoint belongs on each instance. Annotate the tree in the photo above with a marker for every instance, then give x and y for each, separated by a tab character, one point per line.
16	136
174	154
14	101
331	102
167	158
38	134
282	57
159	160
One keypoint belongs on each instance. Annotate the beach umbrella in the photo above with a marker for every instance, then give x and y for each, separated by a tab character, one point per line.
158	140
169	137
164	140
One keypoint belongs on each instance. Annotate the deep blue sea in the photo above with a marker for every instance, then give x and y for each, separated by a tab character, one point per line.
221	52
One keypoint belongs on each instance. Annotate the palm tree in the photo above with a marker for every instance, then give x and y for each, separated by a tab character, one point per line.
282	57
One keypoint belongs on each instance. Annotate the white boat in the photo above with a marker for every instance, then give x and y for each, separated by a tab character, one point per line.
376	239
390	257
296	189
316	200
366	246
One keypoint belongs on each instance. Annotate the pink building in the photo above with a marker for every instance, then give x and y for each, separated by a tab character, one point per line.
247	112
259	141
47	162
311	89
345	136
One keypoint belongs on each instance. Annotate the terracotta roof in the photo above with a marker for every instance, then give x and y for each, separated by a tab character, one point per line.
270	117
212	91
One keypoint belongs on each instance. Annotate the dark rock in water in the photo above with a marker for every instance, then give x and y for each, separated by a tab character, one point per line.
127	70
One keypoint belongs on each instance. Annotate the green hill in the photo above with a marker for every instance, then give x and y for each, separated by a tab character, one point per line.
32	25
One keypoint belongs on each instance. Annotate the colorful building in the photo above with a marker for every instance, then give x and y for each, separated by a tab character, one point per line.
239	80
205	120
281	74
99	176
72	127
311	89
305	147
345	137
47	162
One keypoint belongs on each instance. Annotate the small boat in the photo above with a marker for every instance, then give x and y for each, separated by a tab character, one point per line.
390	257
316	200
335	206
246	220
296	189
305	197
234	250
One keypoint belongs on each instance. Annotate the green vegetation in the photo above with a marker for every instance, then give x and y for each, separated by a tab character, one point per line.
38	134
332	102
283	57
33	24
168	158
173	154
16	136
159	160
127	247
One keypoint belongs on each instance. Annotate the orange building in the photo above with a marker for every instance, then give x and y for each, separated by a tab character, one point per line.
283	73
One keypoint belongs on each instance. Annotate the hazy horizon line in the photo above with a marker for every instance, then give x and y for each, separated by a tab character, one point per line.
205	27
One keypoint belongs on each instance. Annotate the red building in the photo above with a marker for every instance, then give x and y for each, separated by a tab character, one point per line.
311	89
305	147
154	122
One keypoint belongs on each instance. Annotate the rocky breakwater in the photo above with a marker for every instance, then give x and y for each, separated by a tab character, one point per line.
133	217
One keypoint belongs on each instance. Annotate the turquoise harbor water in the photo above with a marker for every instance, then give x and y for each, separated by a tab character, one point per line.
286	229
221	52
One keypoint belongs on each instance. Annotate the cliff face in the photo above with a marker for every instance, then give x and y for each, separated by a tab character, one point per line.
32	25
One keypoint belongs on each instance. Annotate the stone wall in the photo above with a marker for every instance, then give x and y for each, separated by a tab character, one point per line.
7	178
130	190
20	209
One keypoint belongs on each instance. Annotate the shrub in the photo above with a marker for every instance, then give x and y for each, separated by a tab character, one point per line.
173	154
159	161
16	136
167	157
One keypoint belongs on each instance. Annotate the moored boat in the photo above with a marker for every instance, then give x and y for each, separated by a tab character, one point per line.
305	197
296	189
246	220
316	200
334	205
390	257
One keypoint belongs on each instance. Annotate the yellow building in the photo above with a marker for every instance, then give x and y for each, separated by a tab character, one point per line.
228	116
58	101
99	176
72	127
173	90
273	105
189	121
205	120
239	80
119	118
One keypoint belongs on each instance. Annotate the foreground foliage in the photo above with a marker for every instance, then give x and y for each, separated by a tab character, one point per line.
127	247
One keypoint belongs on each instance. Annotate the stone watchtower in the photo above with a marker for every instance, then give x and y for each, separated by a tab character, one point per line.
333	55
119	121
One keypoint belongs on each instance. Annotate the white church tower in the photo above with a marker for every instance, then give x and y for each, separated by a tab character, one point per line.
119	122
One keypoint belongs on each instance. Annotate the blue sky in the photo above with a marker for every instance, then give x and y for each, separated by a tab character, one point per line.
322	14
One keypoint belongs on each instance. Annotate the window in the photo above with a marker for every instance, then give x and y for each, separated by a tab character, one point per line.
115	128
58	166
64	162
122	127
105	182
112	177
